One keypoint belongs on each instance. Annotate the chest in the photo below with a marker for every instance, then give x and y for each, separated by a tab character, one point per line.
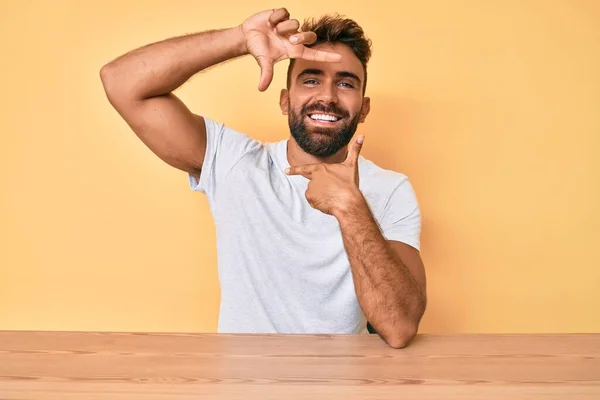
259	205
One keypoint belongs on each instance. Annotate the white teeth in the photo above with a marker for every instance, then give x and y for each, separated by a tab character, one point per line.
324	117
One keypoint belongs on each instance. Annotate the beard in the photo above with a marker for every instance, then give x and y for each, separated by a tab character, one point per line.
318	141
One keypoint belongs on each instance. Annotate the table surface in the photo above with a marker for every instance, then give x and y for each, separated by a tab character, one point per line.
152	366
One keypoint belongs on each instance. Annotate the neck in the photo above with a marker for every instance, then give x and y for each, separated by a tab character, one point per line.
296	156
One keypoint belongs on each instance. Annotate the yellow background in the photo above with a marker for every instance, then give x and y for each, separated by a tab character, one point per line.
492	108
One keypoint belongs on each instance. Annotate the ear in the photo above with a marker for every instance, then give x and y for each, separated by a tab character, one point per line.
364	111
284	99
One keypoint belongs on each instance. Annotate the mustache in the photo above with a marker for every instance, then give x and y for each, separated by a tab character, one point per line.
330	109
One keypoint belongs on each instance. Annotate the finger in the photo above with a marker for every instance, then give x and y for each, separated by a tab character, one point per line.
290	26
266	72
354	153
320	56
304	170
278	15
304	38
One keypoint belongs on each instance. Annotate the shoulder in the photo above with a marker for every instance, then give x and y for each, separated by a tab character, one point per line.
387	191
376	178
393	201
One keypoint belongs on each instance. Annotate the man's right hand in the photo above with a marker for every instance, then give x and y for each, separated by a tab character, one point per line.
140	84
271	36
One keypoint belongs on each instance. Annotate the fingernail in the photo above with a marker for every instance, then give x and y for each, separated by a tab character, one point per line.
360	139
294	39
287	170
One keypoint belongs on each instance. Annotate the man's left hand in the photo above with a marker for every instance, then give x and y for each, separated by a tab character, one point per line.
333	188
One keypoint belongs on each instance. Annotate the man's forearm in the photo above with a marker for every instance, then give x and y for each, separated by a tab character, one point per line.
387	292
160	68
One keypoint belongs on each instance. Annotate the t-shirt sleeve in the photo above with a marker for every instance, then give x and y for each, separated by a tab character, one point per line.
224	148
401	219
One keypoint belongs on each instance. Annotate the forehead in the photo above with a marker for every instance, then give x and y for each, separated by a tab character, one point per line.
349	62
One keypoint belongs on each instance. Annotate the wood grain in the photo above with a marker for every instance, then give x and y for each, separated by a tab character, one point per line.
152	366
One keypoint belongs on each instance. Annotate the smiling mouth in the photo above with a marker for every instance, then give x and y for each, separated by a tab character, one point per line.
324	117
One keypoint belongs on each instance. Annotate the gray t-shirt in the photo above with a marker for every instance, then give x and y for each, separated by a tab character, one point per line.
282	264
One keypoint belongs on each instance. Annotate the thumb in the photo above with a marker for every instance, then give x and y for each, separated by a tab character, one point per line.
266	72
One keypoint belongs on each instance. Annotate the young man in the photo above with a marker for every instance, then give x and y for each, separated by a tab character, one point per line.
312	237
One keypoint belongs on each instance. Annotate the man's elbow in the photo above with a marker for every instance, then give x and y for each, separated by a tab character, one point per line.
399	339
107	76
117	92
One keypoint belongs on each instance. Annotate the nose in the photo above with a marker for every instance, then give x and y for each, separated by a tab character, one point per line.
327	94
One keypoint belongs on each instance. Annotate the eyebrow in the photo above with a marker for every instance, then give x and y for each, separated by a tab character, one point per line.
339	74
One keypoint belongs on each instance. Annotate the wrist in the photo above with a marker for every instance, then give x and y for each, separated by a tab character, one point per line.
355	205
239	40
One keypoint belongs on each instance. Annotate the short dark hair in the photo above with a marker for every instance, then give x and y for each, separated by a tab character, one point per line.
337	29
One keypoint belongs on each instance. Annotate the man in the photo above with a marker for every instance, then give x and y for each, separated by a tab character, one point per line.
311	237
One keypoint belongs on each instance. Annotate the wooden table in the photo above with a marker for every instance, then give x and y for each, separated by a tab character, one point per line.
94	366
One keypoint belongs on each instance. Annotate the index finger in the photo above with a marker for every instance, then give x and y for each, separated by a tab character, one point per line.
304	170
354	152
320	55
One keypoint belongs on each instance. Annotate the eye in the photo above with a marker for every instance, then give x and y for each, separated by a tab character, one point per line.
311	82
347	85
